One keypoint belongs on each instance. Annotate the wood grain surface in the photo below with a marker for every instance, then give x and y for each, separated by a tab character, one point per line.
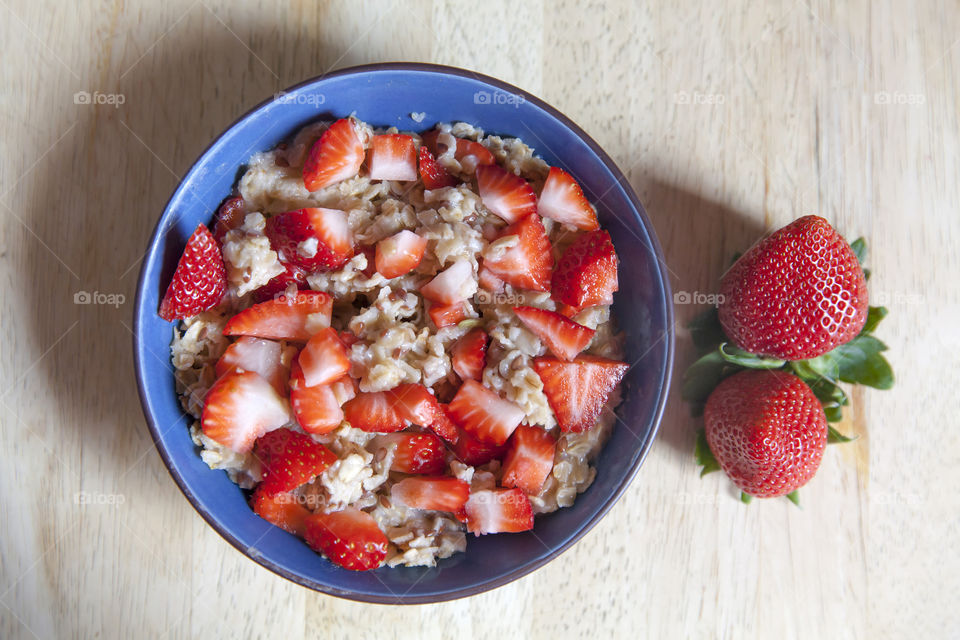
728	118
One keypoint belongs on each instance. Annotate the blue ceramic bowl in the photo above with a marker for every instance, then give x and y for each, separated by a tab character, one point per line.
386	95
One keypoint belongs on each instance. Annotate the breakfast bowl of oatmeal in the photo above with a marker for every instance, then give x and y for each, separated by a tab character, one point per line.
403	334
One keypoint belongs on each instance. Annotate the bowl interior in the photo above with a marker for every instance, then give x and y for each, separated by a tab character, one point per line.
388	95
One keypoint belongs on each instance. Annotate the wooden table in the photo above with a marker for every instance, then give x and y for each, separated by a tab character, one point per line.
727	120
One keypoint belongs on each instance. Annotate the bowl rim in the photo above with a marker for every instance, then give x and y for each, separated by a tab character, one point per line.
585	526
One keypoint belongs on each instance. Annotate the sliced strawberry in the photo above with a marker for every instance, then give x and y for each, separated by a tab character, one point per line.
473	452
399	254
324	358
562	200
433	175
349	538
257	355
336	156
280	509
392	156
484	414
504	193
498	511
432	493
457	282
349	338
241	407
443	426
374	412
469	355
564	337
586	274
490	282
447	315
199	281
278	284
415	452
529	263
230	215
529	459
314	239
293	318
467	152
578	390
317	408
414	403
290	459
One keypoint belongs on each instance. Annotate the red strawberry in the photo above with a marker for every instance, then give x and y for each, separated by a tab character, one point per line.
257	355
433	175
199	281
469	355
577	391
415	452
468	152
447	315
345	388
484	414
281	509
767	430
336	156
455	283
324	358
230	215
279	283
317	408
529	263
392	157
432	493
349	538
567	311
473	452
498	511
349	338
489	282
241	407
562	200
529	459
293	318
399	254
586	274
313	239
443	426
373	411
290	459
414	403
505	194
796	295
564	337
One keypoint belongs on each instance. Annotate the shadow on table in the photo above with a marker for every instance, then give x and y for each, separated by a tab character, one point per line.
92	204
699	237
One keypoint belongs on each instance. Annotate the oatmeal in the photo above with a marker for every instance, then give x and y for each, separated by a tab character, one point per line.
396	339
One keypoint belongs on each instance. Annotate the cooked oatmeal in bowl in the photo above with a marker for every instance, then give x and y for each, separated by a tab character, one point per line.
396	339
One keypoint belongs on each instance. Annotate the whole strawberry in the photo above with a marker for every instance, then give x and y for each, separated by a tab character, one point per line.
767	430
796	295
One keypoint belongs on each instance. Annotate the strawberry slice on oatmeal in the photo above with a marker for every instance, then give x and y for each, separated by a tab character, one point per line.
396	339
